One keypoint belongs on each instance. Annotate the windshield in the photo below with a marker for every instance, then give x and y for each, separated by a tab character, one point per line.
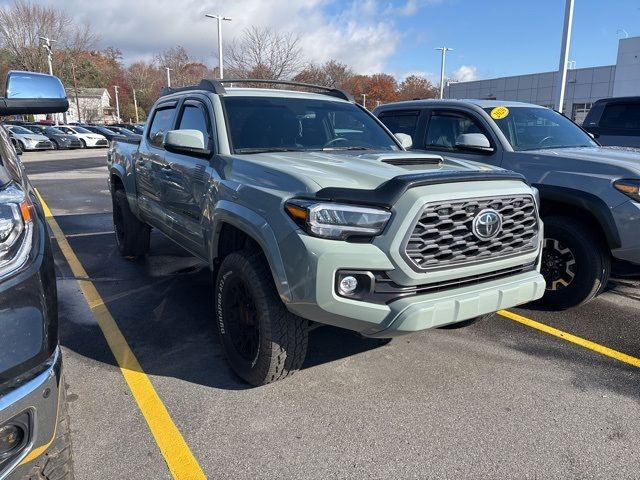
20	130
259	124
530	128
81	130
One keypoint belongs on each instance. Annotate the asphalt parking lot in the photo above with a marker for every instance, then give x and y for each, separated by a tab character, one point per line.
498	399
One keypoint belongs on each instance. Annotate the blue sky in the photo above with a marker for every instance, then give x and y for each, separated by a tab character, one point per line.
490	37
511	37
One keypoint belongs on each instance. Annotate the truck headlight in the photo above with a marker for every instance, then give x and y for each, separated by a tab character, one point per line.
16	229
337	221
631	188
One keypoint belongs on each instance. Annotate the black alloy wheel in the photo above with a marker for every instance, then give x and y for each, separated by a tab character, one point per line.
239	307
558	264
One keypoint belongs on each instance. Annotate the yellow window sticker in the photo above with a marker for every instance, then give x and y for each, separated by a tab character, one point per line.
499	113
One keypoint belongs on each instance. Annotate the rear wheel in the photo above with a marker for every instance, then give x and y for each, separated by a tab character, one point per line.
262	340
132	235
576	263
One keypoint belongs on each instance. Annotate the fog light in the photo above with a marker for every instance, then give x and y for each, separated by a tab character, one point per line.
348	285
11	437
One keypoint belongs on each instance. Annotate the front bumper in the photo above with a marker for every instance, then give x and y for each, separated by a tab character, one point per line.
627	218
96	142
37	397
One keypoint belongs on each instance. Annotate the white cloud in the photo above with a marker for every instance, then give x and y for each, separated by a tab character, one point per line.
466	73
355	32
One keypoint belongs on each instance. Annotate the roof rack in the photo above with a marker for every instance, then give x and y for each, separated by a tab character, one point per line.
215	86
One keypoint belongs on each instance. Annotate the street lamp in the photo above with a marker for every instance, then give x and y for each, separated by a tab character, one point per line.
47	46
169	70
444	51
220	18
364	100
115	87
564	52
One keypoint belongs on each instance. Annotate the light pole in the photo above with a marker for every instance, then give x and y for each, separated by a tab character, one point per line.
115	87
564	52
220	19
47	46
444	51
169	70
364	100
135	105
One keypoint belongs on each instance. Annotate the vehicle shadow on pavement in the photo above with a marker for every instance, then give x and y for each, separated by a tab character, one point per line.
164	307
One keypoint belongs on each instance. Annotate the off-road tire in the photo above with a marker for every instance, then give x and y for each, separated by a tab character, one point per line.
466	323
282	337
57	462
592	263
132	235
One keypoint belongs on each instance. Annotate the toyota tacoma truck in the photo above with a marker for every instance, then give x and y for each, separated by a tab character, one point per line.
34	426
590	195
307	209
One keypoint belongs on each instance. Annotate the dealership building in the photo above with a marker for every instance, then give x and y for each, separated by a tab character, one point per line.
584	85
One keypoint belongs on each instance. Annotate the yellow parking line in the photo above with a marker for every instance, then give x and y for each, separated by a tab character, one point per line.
181	462
596	347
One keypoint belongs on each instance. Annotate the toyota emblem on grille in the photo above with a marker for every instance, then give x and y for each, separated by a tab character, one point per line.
487	224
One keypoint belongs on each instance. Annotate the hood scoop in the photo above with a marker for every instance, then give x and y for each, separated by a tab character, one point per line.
408	160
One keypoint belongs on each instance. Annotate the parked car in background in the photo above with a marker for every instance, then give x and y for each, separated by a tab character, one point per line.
59	139
123	131
590	195
307	209
34	426
29	140
133	127
86	137
108	133
615	121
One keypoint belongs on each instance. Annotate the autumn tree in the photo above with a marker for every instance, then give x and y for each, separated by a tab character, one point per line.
378	88
416	87
263	53
330	74
23	22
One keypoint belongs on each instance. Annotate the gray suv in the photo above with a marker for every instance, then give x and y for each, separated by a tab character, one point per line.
590	195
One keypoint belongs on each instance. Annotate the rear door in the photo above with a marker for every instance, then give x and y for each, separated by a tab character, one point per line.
149	160
185	178
619	124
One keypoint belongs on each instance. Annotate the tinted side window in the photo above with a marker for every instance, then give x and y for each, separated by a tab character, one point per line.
195	117
444	129
162	122
402	121
622	116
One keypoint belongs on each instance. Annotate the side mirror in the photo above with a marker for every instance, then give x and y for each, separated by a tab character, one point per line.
32	93
405	140
474	141
188	142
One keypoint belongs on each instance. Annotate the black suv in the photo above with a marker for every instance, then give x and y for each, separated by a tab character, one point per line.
615	121
34	427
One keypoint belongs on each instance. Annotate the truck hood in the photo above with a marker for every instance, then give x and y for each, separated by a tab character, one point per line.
350	169
608	156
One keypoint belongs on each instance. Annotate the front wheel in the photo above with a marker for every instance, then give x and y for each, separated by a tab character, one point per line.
576	263
262	340
84	144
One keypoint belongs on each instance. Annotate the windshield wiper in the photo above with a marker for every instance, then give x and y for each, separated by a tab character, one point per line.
330	149
267	150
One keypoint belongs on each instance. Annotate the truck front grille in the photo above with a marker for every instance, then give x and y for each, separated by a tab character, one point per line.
443	234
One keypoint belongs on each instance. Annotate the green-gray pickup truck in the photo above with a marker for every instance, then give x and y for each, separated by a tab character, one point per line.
307	209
